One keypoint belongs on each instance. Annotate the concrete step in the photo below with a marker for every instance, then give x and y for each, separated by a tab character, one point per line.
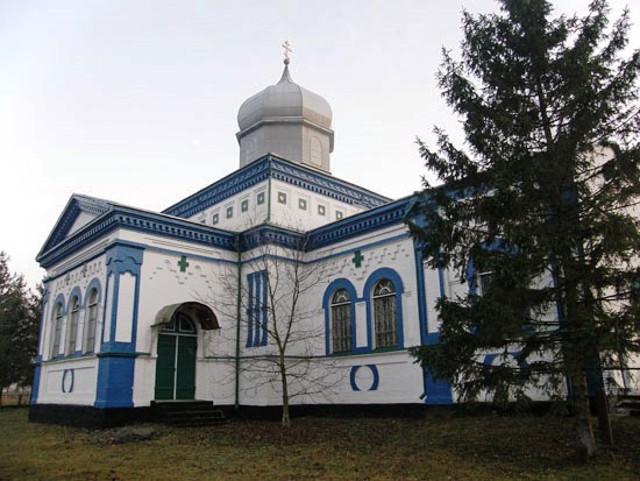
188	413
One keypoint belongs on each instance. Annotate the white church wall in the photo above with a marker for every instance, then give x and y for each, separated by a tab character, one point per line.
300	209
238	212
70	377
175	274
68	381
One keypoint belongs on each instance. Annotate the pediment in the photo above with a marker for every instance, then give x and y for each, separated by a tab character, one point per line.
79	211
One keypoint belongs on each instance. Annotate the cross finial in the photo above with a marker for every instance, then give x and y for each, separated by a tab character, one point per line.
287	52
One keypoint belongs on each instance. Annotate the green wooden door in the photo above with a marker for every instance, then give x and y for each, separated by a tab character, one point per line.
186	368
176	367
165	366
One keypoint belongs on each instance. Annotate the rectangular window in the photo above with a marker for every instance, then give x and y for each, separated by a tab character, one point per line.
484	282
215	218
257	312
229	212
322	210
302	204
282	198
339	215
260	198
244	206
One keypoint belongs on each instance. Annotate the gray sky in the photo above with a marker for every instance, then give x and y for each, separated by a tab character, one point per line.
136	101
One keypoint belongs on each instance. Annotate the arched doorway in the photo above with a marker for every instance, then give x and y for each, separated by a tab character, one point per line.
177	347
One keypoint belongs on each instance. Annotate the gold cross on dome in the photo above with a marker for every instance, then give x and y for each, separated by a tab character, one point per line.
287	51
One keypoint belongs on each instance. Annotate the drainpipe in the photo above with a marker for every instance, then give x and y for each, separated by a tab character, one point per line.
238	319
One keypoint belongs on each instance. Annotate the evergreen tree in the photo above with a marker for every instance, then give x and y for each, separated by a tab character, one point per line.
543	199
19	320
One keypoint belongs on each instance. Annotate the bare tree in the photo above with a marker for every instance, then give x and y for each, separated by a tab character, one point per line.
269	296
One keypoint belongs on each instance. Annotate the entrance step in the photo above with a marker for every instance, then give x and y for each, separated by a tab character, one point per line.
629	403
187	413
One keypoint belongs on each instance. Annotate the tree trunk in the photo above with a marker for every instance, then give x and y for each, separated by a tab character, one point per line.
604	420
286	420
585	439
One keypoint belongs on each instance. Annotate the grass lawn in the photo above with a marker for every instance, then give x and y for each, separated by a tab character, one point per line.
435	448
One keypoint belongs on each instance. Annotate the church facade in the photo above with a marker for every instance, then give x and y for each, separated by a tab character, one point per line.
144	306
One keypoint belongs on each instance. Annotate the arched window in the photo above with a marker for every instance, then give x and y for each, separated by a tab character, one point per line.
92	319
58	314
72	331
341	321
385	314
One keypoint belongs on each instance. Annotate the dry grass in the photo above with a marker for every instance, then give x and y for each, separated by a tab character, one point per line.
439	448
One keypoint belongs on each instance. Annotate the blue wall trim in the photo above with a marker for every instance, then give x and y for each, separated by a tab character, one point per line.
141	221
35	388
115	382
359	224
436	391
271	166
374	382
117	359
77	204
122	259
68	380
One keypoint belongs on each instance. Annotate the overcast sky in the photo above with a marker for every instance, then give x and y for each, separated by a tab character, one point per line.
136	101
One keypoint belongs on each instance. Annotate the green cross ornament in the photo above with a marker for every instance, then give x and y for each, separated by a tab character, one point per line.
357	258
183	264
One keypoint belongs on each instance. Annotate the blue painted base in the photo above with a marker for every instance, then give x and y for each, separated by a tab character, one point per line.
115	382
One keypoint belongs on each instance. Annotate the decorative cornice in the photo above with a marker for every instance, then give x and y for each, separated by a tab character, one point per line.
226	187
77	204
118	216
280	169
359	224
141	221
271	235
324	184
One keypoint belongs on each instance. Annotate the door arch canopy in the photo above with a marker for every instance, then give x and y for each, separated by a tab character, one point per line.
200	313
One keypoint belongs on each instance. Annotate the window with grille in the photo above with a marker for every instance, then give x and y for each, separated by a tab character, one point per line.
341	321
73	326
385	314
92	320
484	282
57	326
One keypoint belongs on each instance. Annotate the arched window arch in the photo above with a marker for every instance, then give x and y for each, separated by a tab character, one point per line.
58	315
72	331
341	321
385	314
92	320
338	303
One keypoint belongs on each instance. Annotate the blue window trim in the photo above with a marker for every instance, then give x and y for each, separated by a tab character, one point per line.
372	280
75	292
257	309
337	284
93	284
58	301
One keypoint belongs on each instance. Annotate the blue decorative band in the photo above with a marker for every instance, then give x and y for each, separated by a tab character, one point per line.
374	382
279	169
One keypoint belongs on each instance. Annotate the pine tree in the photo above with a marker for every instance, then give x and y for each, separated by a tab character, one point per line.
19	320
543	198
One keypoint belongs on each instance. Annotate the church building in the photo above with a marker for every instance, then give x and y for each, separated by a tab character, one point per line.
142	307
